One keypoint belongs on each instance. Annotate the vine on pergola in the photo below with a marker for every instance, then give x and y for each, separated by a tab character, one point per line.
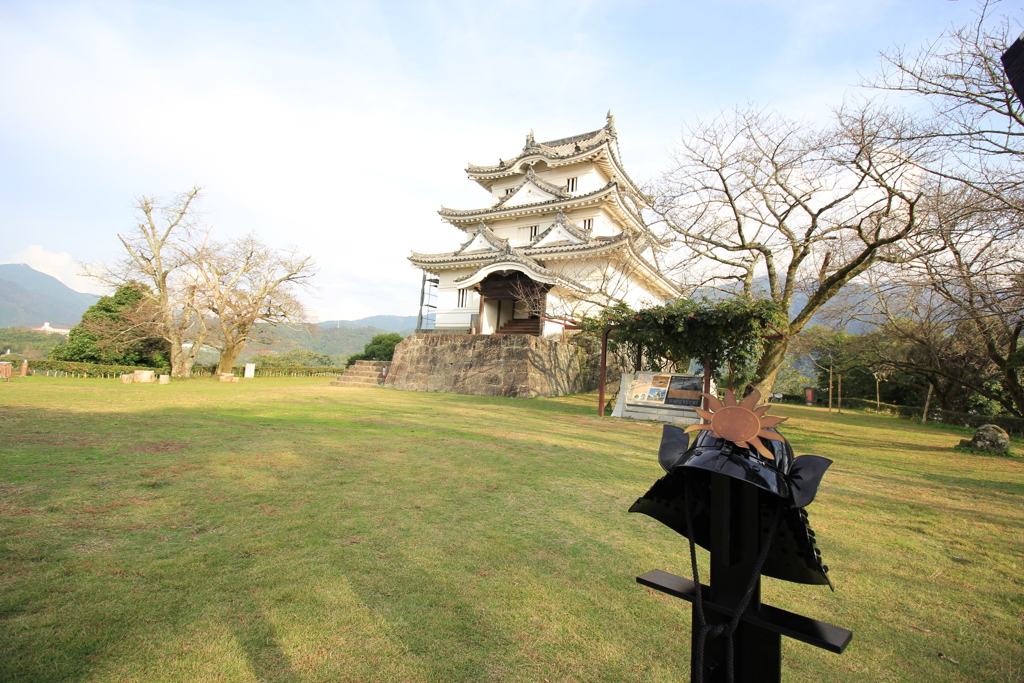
728	334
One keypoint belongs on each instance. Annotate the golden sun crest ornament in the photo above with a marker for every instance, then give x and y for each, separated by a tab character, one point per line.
740	422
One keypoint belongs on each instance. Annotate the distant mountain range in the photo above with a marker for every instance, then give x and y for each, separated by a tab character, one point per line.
334	338
30	298
405	324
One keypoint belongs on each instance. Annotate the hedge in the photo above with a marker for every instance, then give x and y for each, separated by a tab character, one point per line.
1013	425
64	368
292	371
60	368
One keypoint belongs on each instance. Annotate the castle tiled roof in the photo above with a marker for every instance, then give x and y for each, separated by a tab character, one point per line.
610	195
533	260
542	205
599	146
562	148
460	258
536	271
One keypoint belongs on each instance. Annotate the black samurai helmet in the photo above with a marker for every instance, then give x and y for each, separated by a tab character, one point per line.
731	445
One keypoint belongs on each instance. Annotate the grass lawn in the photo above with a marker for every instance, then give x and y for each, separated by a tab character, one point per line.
287	530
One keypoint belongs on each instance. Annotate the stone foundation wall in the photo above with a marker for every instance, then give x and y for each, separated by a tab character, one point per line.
492	365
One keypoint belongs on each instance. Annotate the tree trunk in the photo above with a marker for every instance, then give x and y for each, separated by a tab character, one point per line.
927	404
768	367
878	395
830	387
228	355
839	393
178	359
707	388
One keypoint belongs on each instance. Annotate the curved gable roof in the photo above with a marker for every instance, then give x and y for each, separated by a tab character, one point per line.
521	194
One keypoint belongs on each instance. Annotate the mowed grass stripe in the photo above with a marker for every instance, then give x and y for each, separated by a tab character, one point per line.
286	530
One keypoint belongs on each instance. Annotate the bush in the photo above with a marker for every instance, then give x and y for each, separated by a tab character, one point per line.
381	347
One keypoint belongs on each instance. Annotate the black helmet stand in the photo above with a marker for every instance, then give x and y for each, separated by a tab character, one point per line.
735	637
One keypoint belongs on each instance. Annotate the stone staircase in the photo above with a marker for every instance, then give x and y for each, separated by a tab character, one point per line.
364	373
530	326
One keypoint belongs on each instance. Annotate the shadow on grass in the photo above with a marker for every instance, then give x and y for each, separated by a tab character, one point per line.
1005	487
427	614
257	638
899	505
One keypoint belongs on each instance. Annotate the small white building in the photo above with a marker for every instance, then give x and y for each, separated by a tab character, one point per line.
561	238
48	329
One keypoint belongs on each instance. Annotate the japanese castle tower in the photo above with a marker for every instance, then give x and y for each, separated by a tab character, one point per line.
561	238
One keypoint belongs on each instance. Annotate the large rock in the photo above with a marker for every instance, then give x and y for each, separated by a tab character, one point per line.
989	438
516	365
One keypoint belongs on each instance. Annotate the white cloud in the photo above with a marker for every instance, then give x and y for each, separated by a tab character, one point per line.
60	265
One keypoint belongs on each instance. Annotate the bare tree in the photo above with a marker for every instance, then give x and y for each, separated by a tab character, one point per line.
754	197
156	256
243	283
976	130
978	277
921	333
976	120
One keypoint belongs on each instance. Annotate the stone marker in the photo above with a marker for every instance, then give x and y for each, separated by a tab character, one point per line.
127	379
250	370
988	438
24	368
165	379
145	376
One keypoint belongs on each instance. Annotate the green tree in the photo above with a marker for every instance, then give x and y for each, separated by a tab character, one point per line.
730	335
381	347
834	352
117	330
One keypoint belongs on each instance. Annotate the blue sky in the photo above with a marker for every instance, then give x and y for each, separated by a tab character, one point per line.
341	127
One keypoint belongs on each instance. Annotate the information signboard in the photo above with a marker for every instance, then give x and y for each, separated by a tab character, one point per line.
662	388
684	390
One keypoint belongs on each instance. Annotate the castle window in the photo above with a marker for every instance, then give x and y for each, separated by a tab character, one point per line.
509	190
463	298
529	234
570	185
588	223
